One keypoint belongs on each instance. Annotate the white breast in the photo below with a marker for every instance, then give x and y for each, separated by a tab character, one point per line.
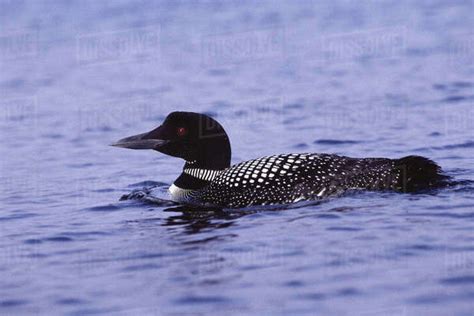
178	194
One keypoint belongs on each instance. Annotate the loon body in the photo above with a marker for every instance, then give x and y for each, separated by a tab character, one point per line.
208	179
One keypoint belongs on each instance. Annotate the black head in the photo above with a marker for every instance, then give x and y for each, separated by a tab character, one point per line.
197	138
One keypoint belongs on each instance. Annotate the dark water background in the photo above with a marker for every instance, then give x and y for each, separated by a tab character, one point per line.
358	78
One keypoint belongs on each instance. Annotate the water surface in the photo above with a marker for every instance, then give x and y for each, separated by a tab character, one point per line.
361	79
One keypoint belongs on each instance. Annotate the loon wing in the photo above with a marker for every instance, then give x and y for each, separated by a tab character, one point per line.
278	179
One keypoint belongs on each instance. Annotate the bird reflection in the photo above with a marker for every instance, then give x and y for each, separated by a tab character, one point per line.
196	219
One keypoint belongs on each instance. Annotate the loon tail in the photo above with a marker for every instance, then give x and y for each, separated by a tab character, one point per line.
419	173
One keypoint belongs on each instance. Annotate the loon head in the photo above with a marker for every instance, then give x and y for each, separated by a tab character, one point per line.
194	137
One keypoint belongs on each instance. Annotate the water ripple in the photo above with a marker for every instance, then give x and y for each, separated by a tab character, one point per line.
458	280
17	216
104	208
12	302
335	142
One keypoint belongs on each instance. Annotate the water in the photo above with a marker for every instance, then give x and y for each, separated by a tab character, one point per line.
356	78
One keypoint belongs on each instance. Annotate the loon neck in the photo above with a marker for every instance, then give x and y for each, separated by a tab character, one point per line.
195	177
202	174
202	166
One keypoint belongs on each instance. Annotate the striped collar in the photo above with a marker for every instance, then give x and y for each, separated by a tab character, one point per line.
203	174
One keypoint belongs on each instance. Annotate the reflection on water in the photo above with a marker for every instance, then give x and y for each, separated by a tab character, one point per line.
196	220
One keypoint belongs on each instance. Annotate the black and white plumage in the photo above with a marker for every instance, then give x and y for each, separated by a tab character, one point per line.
290	178
208	178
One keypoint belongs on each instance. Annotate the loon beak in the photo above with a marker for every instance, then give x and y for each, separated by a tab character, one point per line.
140	141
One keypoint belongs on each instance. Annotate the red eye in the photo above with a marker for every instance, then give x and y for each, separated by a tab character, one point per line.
182	131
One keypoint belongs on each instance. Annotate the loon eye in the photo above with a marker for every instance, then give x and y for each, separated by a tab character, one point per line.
182	131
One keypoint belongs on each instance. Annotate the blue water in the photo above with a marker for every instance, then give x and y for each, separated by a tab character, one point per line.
358	78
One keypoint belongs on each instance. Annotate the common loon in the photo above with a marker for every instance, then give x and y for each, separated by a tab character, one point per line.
208	179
